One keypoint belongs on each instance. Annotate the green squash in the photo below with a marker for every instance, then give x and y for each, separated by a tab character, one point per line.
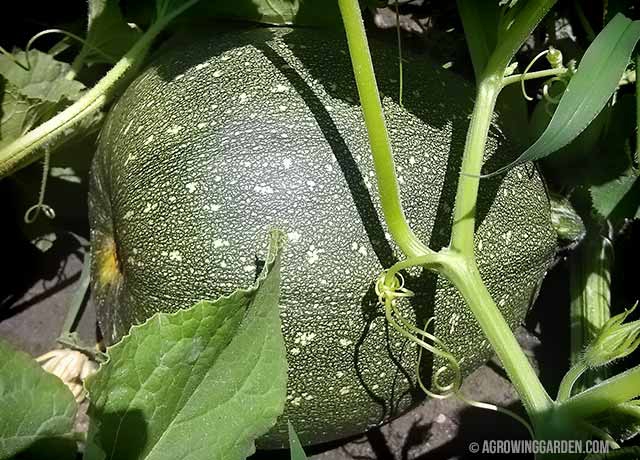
227	136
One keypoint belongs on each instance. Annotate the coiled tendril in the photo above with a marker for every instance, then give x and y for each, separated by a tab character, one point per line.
389	288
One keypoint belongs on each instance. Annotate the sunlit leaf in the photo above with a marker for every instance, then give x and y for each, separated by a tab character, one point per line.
588	91
37	410
201	383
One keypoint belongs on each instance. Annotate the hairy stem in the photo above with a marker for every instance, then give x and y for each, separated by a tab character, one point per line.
463	272
464	216
388	188
29	148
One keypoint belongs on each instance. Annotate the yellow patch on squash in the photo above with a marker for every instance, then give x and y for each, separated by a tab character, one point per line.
107	264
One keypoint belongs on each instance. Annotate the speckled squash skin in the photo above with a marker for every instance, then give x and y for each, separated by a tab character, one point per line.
231	135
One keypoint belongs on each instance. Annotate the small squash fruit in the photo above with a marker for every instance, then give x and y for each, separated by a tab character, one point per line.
226	136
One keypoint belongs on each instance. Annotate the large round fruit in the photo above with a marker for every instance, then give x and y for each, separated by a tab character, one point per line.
229	135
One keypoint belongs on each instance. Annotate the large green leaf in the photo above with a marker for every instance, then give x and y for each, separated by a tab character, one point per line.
589	89
108	34
37	410
201	383
45	79
299	12
618	199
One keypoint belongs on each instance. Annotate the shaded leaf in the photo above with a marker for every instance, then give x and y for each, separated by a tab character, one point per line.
297	452
588	90
109	36
622	422
619	199
37	409
299	12
213	374
480	29
16	114
45	80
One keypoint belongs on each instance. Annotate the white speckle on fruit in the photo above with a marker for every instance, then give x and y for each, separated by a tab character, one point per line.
505	192
345	342
479	245
354	246
191	186
249	268
175	129
263	189
178	77
243	98
313	254
218	243
412	160
223	264
128	215
294	237
287	163
217	179
138	129
282	108
339	374
202	66
216	207
175	255
126	130
363	251
375	386
344	390
296	401
279	88
201	125
295	351
311	183
217	73
453	321
304	338
149	140
507	237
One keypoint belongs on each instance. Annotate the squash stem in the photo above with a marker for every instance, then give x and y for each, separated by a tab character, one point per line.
464	216
388	188
463	273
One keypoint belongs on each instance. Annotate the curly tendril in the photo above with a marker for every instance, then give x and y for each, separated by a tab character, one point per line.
27	65
33	212
389	288
526	70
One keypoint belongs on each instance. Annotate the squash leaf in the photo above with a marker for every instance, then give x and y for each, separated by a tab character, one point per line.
214	374
295	447
618	200
29	97
588	90
37	409
109	36
279	12
44	81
